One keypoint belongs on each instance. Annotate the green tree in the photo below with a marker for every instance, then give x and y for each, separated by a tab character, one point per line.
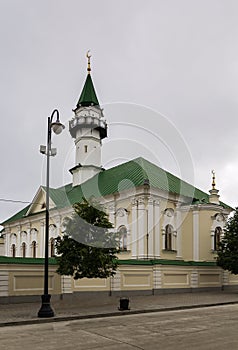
88	247
228	247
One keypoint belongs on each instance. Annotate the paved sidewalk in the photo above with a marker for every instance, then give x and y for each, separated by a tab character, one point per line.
79	308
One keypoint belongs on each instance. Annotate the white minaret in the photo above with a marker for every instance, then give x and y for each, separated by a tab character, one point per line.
88	127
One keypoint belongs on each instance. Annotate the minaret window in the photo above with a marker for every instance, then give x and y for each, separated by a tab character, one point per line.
85	148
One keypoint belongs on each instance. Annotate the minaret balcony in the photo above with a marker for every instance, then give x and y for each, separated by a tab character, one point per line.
88	122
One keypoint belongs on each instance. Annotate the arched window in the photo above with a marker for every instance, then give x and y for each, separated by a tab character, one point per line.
168	237
13	250
123	237
52	247
23	249
217	237
34	249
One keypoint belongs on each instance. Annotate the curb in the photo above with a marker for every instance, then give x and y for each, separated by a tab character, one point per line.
111	314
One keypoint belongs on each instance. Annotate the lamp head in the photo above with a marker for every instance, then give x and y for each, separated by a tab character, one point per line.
57	127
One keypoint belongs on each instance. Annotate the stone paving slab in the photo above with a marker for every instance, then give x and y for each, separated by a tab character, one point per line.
79	308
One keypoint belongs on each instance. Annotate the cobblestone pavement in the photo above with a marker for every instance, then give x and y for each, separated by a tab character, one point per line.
205	328
91	307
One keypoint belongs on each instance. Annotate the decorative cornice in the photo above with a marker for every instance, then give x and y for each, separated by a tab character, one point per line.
134	201
150	200
121	212
141	200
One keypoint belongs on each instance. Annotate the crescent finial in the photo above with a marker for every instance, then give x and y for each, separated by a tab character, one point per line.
213	180
87	54
88	57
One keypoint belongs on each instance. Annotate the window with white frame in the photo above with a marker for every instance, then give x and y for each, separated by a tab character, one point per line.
217	237
23	246
34	249
168	237
52	247
123	237
13	249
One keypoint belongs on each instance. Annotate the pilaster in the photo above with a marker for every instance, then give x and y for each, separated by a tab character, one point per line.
225	277
141	227
116	282
28	243
4	283
18	247
66	284
194	279
58	225
195	235
134	238
157	277
150	228
7	243
111	214
179	233
157	247
42	238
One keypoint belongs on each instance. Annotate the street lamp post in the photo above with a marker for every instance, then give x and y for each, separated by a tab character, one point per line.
57	127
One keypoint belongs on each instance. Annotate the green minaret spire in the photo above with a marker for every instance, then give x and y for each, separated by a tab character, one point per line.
88	95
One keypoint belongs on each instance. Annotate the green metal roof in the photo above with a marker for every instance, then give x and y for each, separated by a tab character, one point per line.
134	173
88	95
17	216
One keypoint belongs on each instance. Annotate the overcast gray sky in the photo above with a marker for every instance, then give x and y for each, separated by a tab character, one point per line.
165	71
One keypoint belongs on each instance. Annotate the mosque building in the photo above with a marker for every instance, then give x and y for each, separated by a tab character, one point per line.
169	229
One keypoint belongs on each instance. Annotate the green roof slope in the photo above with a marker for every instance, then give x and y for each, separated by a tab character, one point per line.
88	95
17	216
136	173
132	174
122	177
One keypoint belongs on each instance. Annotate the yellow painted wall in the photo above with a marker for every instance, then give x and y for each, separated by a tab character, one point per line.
29	280
187	236
133	278
233	279
22	279
125	255
91	284
176	277
205	223
209	277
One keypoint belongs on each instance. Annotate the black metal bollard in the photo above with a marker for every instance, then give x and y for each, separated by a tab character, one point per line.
124	304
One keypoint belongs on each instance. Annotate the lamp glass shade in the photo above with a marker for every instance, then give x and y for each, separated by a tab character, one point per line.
57	127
